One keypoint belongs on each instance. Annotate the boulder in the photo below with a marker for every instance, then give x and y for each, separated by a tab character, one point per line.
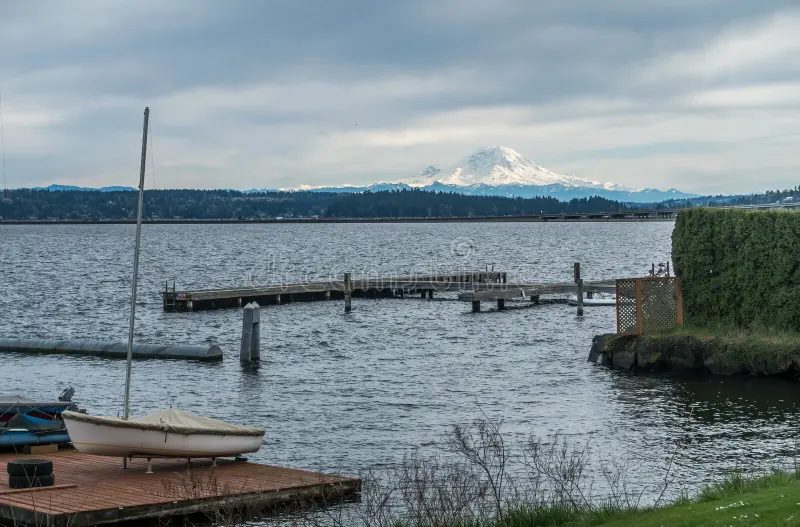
624	359
720	363
771	364
598	347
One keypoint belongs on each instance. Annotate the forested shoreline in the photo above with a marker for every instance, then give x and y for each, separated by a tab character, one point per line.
44	205
96	205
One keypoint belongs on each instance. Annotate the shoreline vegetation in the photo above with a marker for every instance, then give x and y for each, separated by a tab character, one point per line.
253	221
481	478
739	278
193	205
162	205
717	351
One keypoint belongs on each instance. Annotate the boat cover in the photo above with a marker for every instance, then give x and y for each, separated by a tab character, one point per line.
170	420
14	399
25	422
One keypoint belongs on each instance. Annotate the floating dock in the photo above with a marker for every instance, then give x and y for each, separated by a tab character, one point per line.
92	490
116	350
533	292
397	286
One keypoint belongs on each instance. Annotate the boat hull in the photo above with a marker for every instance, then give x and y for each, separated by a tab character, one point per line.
16	438
588	302
104	440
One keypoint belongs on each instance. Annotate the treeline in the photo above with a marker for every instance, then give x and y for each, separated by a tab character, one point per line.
161	204
771	196
419	203
762	198
26	204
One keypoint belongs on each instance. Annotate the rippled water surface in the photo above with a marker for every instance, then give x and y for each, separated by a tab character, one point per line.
347	392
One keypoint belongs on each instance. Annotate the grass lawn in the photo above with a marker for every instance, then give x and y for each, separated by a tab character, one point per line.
771	506
738	500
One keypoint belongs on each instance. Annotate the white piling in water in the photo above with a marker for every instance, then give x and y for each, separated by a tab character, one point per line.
255	336
251	333
247	333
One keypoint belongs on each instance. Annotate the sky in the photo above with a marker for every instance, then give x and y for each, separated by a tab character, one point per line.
699	95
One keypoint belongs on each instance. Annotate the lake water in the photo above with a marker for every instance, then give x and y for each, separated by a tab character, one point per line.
348	392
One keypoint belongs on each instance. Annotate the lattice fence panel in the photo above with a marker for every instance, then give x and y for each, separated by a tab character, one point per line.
648	304
626	307
659	304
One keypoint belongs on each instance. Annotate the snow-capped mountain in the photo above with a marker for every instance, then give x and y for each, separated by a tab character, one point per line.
501	171
499	166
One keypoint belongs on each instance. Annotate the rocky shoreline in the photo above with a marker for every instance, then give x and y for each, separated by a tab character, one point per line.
717	355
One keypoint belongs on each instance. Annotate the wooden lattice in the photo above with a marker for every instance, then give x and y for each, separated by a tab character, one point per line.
648	304
626	307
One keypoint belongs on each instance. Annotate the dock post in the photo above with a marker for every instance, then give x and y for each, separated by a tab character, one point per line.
476	306
247	333
430	294
579	287
327	295
189	305
501	304
255	336
348	291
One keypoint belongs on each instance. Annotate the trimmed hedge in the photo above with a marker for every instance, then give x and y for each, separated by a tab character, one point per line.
739	268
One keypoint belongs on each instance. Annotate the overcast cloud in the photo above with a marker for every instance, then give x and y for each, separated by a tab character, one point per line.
702	95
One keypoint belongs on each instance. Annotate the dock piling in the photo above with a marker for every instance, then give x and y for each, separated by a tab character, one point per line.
255	337
247	333
348	291
501	304
476	306
579	289
251	333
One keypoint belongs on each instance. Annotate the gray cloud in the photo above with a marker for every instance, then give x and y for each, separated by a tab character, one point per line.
277	93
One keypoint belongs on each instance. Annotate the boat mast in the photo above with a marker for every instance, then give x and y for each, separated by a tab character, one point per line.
136	264
3	149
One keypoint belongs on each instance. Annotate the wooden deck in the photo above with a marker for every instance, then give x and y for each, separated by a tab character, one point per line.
92	490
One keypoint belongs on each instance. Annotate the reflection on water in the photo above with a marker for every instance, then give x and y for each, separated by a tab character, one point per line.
346	392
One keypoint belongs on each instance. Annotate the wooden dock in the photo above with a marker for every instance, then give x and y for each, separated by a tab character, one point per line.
92	490
390	287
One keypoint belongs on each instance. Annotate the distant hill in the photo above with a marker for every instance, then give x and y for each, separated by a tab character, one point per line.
82	204
61	188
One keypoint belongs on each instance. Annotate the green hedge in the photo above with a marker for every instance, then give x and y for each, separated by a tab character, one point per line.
739	268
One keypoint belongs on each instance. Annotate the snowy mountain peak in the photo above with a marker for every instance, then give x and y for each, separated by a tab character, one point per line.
430	171
498	166
486	159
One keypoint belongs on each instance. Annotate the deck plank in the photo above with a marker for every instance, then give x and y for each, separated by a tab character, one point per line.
98	487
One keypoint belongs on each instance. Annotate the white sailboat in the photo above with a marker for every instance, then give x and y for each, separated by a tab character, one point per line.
166	433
